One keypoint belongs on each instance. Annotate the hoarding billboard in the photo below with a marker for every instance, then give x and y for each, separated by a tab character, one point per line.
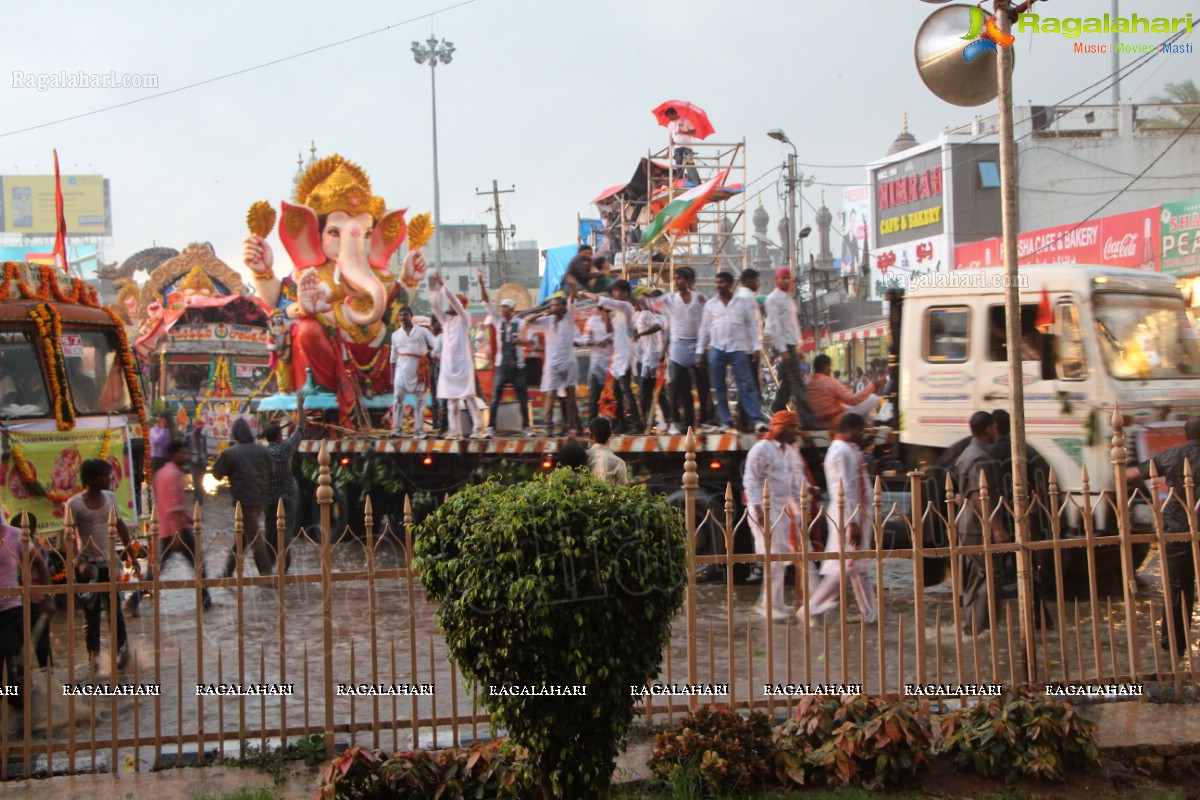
27	205
1180	237
908	200
1122	240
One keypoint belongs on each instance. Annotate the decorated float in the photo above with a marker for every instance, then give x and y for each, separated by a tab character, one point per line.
69	391
337	307
209	346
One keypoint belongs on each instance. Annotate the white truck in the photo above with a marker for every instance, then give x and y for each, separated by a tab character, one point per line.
1119	337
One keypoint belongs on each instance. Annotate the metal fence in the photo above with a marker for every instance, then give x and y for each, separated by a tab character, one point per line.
345	645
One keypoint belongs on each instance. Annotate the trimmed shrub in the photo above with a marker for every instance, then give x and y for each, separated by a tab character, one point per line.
492	770
720	748
563	580
857	740
1020	733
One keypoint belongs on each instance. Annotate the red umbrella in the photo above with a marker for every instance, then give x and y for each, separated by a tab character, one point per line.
694	114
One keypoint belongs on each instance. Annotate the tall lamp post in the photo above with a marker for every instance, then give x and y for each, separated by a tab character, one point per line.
434	53
795	181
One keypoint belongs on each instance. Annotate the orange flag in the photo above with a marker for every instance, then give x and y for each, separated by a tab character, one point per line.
60	239
1045	314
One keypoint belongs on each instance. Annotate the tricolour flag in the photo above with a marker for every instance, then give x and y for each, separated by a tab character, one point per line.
681	212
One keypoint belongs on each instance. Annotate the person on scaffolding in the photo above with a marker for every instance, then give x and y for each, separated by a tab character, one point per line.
683	136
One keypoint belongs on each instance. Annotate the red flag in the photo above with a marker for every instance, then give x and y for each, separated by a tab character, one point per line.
1045	314
60	239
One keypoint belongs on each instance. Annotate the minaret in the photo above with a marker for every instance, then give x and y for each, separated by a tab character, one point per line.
762	248
824	225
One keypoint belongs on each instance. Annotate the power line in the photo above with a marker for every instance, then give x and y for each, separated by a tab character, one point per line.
235	73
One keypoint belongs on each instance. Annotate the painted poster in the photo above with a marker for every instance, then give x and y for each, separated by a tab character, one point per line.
50	473
855	225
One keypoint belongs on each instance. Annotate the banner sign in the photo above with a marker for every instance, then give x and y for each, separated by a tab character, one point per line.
220	332
1122	240
1180	232
53	458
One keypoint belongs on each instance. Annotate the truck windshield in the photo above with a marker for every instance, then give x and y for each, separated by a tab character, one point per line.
22	389
94	372
1146	338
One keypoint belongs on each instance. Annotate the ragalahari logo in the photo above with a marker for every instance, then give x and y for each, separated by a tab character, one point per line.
983	35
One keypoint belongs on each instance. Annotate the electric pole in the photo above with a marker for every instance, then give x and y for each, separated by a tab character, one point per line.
499	229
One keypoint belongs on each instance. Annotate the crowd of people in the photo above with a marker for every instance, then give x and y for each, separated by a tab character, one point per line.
260	476
658	362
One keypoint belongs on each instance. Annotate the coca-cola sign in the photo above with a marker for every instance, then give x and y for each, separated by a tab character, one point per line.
1123	248
1122	240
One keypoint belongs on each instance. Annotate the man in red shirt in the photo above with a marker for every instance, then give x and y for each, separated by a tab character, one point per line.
830	400
175	533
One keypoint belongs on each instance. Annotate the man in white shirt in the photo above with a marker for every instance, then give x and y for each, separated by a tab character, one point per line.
728	324
510	358
775	461
650	355
411	346
684	309
598	339
748	284
783	329
621	364
683	136
602	461
559	372
849	520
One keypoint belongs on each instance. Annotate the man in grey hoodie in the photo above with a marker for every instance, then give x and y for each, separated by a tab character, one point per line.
249	469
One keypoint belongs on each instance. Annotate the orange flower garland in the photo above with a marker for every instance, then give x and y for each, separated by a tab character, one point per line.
81	293
21	465
50	330
128	363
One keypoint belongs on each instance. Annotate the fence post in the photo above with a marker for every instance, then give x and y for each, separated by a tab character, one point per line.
1168	620
691	481
918	567
325	500
1120	459
728	534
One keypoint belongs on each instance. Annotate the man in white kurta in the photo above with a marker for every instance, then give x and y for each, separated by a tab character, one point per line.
598	339
456	377
849	515
411	346
560	373
775	461
623	356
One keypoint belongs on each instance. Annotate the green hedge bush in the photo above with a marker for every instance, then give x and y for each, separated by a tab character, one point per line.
563	580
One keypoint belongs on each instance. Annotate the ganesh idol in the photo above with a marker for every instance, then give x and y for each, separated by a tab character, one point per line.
341	296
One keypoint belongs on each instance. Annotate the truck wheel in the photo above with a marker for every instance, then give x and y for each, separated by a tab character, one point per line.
710	520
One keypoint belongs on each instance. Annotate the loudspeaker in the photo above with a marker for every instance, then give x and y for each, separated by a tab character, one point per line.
942	65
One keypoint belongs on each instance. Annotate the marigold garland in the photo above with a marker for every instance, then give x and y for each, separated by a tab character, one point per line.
81	293
132	382
21	464
220	383
50	330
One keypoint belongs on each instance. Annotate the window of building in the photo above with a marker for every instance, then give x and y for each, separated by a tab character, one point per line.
989	175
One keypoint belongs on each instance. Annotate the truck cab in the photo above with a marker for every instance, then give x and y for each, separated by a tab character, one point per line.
1116	337
69	391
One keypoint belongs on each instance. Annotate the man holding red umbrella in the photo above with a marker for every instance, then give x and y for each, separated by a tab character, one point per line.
683	136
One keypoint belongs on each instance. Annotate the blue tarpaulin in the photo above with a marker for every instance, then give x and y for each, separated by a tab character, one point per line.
557	259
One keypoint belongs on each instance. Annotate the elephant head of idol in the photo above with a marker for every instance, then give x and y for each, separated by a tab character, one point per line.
338	221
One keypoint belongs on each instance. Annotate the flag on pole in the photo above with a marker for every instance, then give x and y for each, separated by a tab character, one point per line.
60	239
681	212
1045	314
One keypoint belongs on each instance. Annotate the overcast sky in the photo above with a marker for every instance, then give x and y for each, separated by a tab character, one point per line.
550	95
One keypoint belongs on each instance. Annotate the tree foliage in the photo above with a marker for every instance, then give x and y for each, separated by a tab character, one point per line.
560	581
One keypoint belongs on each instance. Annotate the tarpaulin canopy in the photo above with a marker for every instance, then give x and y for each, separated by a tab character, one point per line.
557	259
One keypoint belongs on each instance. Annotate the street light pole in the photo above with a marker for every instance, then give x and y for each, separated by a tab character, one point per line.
434	53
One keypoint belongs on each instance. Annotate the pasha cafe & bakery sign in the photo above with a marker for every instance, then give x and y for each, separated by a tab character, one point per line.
1123	240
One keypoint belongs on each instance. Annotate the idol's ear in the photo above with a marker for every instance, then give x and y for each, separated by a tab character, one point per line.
300	232
389	234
